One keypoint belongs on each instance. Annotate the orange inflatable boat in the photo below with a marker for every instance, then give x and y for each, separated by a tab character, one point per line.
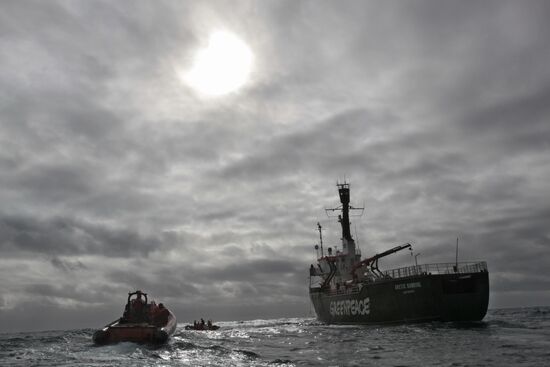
142	322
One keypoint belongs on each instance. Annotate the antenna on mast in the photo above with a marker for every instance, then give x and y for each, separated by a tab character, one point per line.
456	259
320	237
356	237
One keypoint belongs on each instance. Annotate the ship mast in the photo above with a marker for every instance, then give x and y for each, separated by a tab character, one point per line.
343	191
347	240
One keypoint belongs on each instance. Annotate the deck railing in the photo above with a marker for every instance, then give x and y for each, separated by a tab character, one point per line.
440	268
415	270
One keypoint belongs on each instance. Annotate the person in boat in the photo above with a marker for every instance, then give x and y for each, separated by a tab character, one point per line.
138	302
137	310
209	323
155	314
161	315
202	323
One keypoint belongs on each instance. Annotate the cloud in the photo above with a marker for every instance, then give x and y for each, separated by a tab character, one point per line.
67	236
67	266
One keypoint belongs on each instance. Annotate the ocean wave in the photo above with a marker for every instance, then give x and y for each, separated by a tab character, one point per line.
507	337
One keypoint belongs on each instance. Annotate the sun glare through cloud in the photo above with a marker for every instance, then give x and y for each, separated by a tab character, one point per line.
222	67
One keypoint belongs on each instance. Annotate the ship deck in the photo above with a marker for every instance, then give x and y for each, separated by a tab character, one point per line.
461	268
438	268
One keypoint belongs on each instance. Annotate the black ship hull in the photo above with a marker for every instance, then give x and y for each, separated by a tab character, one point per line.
418	298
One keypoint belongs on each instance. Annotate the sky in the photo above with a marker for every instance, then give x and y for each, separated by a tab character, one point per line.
117	174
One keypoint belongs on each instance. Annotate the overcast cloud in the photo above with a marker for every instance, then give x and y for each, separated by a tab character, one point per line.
115	175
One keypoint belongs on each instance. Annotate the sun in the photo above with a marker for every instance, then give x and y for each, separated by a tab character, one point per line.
222	67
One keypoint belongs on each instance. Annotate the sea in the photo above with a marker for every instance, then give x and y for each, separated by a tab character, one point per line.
506	337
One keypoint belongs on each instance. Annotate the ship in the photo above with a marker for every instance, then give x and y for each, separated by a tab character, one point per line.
345	288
